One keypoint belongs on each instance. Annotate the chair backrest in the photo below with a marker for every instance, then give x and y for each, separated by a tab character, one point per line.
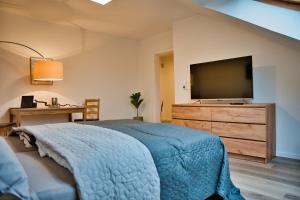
92	109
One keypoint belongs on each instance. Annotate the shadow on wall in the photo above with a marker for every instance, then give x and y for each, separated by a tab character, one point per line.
264	84
91	70
287	126
15	82
38	95
14	75
97	73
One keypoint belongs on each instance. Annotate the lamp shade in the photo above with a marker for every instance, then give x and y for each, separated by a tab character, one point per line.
48	70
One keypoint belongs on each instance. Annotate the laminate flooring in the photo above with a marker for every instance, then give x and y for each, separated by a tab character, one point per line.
277	180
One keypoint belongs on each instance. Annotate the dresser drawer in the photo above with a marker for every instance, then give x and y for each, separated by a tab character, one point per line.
245	147
242	131
243	115
197	113
199	125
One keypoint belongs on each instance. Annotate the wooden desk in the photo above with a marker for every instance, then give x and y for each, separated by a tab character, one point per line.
19	112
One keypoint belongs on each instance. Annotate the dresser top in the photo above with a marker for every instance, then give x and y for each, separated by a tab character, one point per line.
248	105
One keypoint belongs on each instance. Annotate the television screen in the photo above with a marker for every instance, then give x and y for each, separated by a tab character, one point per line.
224	79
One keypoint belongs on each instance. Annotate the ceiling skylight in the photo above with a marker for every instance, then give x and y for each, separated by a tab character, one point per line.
103	2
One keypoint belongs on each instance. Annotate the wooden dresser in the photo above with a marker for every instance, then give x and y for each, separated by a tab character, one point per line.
248	131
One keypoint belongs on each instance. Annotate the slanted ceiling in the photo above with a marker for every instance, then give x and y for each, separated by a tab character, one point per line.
134	19
139	19
274	18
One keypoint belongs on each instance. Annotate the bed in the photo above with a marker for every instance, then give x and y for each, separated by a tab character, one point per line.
190	164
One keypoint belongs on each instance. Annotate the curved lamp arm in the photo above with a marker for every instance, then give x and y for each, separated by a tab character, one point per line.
23	45
45	71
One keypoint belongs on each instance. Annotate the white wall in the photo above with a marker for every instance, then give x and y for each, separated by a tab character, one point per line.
148	72
276	66
95	65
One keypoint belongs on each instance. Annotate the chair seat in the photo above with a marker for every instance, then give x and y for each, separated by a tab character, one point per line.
81	120
92	120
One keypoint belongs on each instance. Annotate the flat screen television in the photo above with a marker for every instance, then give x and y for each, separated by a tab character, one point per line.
223	79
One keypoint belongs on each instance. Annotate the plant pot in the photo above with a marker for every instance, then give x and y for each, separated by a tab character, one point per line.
139	118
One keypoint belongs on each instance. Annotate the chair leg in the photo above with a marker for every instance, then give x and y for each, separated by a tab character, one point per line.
3	132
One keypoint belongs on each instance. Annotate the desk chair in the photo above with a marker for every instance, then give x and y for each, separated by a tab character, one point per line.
92	110
5	128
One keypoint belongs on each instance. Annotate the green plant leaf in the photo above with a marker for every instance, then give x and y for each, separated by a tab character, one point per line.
139	102
135	99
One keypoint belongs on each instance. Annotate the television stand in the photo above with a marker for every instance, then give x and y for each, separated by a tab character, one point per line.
248	130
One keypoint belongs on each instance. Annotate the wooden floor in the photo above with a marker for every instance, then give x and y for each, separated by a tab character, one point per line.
278	180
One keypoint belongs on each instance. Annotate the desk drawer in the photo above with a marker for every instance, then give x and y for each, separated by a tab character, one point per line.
197	113
245	147
243	115
242	131
199	125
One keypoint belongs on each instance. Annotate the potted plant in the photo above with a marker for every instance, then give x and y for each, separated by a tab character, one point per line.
136	101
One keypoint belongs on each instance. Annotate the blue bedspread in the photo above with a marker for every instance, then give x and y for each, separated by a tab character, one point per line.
106	164
191	164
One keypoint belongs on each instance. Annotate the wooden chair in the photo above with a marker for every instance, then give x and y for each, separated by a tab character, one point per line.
92	109
5	128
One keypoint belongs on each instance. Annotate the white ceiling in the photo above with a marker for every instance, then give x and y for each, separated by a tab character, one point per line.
127	18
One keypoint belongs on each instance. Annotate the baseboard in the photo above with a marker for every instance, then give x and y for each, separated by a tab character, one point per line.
288	155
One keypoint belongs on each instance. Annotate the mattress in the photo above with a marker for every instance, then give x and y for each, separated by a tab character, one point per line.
60	183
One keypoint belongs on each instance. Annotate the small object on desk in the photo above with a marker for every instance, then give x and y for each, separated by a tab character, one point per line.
27	102
54	101
54	104
5	128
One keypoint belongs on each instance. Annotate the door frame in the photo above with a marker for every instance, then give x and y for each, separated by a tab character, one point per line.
157	100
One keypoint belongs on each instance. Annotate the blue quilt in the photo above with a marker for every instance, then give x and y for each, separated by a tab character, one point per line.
106	164
191	164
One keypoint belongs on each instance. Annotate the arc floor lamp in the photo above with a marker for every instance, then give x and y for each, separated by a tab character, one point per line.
43	71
